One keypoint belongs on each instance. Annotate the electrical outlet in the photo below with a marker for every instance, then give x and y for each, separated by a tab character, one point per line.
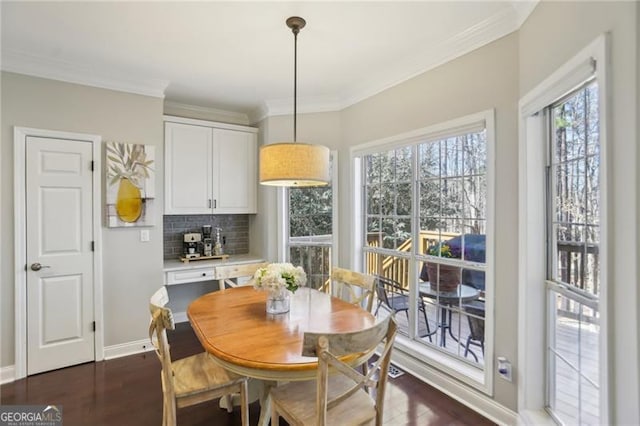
504	368
144	235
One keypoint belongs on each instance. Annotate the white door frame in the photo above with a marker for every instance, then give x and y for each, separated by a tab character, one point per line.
20	227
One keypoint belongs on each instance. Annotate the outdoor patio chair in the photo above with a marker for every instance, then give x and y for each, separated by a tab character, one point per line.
393	297
476	327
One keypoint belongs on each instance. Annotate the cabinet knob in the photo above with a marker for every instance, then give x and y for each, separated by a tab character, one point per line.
204	274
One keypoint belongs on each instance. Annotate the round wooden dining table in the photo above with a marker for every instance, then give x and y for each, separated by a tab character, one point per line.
235	329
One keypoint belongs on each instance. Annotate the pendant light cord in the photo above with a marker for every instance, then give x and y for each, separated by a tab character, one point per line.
295	30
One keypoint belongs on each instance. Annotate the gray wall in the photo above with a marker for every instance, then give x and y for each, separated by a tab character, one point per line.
132	270
555	32
484	79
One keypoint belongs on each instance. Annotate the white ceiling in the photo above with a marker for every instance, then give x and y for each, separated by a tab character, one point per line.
238	56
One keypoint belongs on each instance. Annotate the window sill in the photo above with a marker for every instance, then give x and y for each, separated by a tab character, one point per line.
467	374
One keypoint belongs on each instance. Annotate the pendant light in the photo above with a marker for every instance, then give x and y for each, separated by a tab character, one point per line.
293	163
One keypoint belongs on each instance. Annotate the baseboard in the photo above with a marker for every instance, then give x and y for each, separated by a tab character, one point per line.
129	348
473	399
7	374
180	317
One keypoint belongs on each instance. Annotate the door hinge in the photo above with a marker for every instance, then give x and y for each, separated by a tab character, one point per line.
92	165
93	246
93	326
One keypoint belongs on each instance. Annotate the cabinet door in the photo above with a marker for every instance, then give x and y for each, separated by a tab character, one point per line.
235	171
188	171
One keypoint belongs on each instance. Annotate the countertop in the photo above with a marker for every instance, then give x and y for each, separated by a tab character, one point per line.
233	259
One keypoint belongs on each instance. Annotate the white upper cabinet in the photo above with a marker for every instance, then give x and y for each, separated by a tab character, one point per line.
210	168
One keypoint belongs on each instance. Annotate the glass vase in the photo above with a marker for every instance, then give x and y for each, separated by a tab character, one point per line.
278	300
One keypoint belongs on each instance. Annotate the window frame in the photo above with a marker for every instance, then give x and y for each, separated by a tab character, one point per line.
532	294
482	380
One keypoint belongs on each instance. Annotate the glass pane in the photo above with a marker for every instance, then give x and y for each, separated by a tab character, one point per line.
475	197
430	198
451	159
571	247
393	287
472	246
593	124
388	233
403	164
576	354
373	232
322	224
372	169
452	197
569	125
475	154
473	278
566	403
388	199
403	199
373	199
592	266
429	160
315	260
593	191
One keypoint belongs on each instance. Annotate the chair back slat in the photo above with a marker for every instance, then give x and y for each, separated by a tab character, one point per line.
330	347
226	275
360	287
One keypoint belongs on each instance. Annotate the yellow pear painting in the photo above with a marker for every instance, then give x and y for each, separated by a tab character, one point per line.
130	184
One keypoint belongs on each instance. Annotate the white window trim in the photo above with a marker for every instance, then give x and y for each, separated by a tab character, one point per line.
531	374
482	381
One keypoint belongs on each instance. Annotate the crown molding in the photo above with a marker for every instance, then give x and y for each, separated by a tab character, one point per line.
221	114
483	33
275	107
56	69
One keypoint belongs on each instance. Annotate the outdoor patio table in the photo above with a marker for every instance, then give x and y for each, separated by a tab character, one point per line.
447	299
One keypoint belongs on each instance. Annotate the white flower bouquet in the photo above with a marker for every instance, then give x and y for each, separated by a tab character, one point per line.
278	275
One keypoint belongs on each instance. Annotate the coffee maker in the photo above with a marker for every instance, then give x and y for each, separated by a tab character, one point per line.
190	245
207	242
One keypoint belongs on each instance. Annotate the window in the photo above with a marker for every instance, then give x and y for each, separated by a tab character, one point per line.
563	296
573	280
310	215
425	221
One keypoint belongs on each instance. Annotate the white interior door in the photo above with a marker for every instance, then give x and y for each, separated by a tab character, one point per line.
59	254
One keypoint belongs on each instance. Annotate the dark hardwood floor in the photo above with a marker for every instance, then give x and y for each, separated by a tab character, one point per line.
126	391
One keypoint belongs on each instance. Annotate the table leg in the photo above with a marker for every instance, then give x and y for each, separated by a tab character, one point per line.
265	403
443	326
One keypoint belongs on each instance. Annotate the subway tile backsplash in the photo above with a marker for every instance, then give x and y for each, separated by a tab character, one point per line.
235	227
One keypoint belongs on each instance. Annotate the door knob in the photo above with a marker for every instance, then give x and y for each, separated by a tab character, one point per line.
36	266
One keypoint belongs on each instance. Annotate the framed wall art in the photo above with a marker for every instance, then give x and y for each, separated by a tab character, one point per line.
130	184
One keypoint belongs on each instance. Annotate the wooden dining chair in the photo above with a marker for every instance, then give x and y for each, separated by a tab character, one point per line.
355	287
339	398
228	275
192	380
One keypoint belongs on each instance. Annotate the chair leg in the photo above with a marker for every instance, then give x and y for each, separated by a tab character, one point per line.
423	307
275	417
229	403
469	351
244	403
